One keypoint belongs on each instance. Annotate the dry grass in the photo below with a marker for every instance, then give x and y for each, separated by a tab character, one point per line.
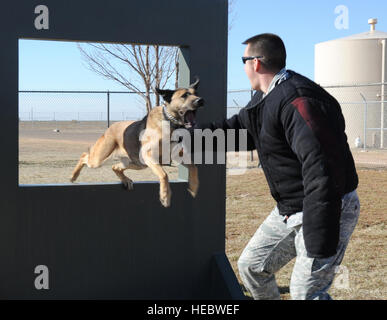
249	202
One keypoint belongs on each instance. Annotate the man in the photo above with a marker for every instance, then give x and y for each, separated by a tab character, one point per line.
298	131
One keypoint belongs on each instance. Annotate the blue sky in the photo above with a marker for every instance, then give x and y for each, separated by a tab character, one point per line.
46	65
301	24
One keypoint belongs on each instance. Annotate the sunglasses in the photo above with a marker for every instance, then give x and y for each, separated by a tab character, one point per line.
244	59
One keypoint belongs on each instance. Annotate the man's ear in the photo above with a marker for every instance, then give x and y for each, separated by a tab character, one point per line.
257	65
166	94
195	85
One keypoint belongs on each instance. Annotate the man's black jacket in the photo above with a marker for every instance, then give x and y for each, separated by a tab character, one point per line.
298	131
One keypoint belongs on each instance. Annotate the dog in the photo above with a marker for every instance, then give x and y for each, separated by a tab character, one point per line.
123	138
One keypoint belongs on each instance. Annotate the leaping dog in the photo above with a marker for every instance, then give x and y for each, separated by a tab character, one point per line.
123	138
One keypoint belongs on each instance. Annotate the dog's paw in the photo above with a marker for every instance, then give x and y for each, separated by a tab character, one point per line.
128	184
193	192
165	202
193	189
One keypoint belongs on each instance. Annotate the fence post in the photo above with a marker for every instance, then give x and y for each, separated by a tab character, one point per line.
252	151
382	92
108	108
365	121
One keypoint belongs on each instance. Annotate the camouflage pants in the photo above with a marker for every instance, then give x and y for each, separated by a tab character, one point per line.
275	243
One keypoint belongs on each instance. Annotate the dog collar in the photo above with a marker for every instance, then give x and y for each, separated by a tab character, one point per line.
170	117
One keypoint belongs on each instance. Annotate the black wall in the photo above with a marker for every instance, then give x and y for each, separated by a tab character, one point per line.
100	241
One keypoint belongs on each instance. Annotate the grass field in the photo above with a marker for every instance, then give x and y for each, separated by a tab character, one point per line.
48	156
249	202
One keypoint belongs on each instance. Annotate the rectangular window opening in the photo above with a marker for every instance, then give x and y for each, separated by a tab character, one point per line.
70	92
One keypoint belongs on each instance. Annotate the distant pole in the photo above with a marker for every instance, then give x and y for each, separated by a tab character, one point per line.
384	51
365	122
252	151
108	108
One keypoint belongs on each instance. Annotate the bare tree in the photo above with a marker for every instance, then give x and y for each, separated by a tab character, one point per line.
145	66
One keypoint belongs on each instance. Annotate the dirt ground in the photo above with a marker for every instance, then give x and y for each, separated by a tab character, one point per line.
48	157
48	151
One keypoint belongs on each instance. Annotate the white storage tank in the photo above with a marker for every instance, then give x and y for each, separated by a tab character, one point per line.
344	66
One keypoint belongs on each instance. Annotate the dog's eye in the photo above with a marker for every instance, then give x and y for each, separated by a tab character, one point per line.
185	95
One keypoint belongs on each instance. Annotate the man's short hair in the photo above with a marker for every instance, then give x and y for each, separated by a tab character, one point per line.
271	47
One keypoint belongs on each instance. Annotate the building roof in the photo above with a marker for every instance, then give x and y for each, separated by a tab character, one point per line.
372	34
367	35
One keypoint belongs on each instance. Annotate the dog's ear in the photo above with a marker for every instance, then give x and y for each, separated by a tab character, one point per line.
166	94
195	85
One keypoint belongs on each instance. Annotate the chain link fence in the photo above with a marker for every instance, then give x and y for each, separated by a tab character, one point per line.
69	121
364	110
80	106
363	106
237	99
98	105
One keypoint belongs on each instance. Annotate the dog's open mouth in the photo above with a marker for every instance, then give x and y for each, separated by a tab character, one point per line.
190	118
